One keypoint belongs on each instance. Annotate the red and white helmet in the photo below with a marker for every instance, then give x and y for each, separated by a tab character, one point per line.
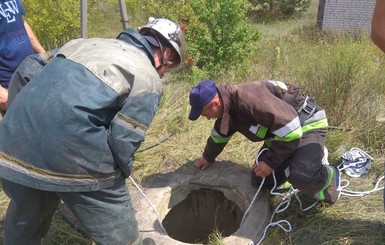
171	32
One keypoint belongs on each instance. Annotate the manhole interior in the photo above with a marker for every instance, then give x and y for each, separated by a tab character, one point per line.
201	213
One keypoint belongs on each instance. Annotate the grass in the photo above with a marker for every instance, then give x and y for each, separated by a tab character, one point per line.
344	73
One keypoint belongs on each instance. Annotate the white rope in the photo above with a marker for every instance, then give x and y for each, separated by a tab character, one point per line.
286	199
259	189
255	196
152	206
344	183
305	209
282	205
351	193
285	202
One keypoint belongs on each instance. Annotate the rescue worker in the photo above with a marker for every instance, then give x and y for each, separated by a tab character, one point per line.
292	126
72	131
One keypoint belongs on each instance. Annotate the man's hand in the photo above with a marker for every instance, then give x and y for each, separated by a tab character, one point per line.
262	169
3	98
201	163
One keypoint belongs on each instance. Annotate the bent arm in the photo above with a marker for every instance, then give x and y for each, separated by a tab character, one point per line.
35	43
3	98
378	25
127	130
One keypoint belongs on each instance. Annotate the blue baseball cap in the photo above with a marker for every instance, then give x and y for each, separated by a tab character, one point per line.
200	96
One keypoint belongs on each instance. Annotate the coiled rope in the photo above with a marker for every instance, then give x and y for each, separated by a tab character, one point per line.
286	199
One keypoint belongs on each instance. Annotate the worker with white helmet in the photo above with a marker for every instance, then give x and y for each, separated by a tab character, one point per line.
71	132
162	32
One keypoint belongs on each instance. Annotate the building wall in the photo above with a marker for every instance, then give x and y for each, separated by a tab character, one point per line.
352	16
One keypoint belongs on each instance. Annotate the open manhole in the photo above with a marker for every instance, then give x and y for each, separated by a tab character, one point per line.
200	214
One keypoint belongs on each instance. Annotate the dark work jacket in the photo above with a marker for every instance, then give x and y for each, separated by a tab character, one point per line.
263	111
76	125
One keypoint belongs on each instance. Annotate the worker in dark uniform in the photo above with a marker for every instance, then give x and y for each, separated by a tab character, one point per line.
292	126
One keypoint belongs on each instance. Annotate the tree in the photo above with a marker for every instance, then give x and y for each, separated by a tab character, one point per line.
223	36
267	10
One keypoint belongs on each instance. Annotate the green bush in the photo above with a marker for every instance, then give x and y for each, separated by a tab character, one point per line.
217	32
223	37
57	22
53	22
267	10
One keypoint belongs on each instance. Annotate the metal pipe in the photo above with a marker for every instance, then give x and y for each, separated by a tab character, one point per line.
123	14
83	18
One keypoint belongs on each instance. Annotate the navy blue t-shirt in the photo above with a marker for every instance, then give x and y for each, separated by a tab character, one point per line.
14	41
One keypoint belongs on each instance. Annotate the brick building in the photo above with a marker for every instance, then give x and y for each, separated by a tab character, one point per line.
353	16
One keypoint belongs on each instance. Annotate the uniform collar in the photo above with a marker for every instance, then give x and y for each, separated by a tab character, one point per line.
134	38
224	93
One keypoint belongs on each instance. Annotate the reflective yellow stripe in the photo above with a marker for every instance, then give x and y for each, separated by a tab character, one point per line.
321	195
288	128
296	134
219	140
287	185
262	131
279	84
330	177
35	172
268	142
323	123
282	85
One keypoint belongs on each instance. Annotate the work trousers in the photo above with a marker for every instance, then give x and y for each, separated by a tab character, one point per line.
107	216
304	168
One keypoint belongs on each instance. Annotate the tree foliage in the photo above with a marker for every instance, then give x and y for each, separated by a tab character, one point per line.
217	32
223	36
56	22
53	22
266	10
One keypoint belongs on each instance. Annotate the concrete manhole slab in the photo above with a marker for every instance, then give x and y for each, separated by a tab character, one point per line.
191	203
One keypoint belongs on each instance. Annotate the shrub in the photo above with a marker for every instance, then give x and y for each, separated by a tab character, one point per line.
57	22
267	10
53	22
223	37
217	32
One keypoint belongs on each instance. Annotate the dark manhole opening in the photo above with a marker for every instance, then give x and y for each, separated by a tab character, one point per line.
200	214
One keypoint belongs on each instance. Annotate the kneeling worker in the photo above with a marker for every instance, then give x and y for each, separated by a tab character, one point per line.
292	126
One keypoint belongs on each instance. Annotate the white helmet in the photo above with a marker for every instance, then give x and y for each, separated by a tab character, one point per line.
170	31
356	162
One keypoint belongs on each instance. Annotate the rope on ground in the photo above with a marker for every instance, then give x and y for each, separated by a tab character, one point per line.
345	192
344	183
286	199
